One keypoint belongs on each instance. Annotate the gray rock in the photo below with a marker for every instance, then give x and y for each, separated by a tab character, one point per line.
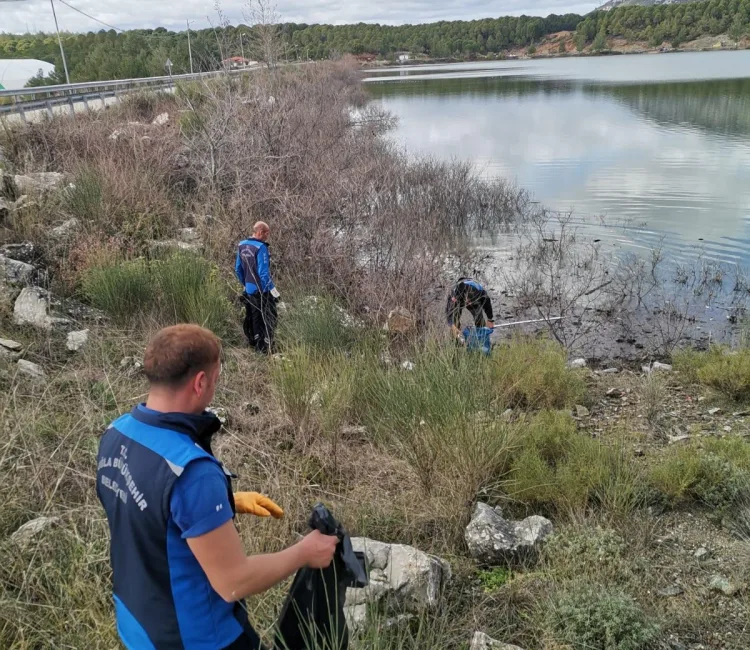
724	585
32	308
38	182
26	533
401	321
480	641
23	252
702	553
5	207
9	355
494	540
189	235
30	369
401	577
657	366
582	411
161	119
671	591
577	363
13	346
76	341
609	371
66	228
15	271
714	411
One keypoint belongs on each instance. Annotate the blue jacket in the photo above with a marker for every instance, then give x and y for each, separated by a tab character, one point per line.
253	266
163	599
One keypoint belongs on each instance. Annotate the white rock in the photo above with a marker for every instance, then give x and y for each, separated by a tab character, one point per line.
356	617
481	641
15	271
407	365
162	245
10	345
30	369
66	228
400	574
77	340
577	363
663	367
31	529
609	371
32	308
189	234
38	182
494	540
161	119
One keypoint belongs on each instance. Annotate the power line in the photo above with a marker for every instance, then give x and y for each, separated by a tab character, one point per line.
83	13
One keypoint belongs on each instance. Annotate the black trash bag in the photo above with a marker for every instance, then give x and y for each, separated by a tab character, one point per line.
313	613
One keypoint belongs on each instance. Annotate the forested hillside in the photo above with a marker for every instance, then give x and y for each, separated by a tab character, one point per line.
140	53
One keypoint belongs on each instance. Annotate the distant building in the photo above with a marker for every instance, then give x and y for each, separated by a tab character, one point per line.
237	63
15	73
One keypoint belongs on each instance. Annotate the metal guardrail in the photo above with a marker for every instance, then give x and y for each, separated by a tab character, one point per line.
43	98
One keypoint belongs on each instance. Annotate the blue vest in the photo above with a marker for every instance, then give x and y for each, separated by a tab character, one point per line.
163	599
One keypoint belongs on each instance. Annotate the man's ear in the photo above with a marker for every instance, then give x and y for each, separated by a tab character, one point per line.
199	382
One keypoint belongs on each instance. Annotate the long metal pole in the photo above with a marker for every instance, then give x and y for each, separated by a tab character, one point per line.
190	51
242	49
59	40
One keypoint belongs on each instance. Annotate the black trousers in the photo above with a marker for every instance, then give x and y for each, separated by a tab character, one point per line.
477	312
260	320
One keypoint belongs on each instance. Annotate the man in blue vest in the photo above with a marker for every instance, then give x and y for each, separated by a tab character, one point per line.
179	571
468	294
253	270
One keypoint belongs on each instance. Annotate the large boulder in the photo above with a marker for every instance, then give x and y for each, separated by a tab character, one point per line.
481	641
38	183
15	271
32	308
494	540
402	578
401	321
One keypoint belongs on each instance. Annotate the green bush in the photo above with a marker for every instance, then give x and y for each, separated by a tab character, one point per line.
320	324
85	200
725	371
122	289
717	475
534	374
569	553
493	579
183	288
589	617
558	467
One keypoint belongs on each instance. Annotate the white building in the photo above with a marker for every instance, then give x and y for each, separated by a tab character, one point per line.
15	73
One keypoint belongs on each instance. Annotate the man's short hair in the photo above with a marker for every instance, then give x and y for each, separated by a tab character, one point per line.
177	353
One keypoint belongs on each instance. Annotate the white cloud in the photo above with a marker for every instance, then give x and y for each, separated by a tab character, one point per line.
35	15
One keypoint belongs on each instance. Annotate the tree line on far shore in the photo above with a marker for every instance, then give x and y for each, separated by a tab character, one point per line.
142	53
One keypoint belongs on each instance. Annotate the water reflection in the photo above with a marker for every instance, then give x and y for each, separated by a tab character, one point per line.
671	159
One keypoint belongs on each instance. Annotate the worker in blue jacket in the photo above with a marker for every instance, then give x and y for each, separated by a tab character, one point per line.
253	270
179	571
468	294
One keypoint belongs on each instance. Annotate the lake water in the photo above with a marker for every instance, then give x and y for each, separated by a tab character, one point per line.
656	145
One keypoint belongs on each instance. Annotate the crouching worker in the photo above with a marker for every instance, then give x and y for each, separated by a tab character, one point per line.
179	571
468	294
253	270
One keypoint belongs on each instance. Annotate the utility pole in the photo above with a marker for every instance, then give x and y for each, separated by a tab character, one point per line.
190	51
242	48
59	40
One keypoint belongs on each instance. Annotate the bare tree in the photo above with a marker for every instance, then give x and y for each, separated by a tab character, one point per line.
266	40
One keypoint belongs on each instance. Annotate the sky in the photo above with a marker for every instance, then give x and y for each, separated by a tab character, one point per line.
20	16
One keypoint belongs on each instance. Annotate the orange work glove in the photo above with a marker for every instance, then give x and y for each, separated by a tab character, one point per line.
254	503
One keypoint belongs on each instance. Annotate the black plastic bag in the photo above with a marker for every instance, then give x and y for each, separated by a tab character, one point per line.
313	613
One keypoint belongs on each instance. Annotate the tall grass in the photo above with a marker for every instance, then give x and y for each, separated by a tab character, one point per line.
727	372
183	288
